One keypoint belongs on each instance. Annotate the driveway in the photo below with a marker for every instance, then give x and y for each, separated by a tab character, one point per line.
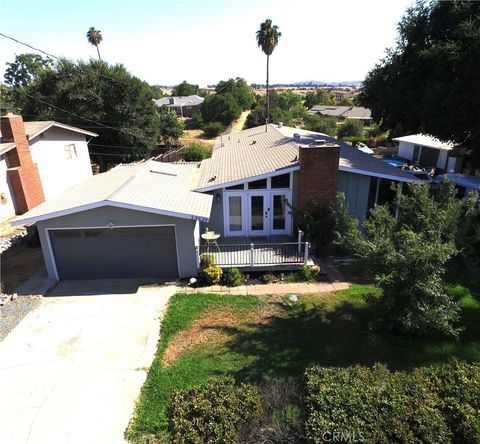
71	371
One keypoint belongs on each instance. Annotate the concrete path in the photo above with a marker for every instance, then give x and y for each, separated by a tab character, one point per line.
71	371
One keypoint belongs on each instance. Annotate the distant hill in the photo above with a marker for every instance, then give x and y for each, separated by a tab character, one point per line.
312	83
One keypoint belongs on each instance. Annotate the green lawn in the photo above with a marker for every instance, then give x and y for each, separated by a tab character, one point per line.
328	329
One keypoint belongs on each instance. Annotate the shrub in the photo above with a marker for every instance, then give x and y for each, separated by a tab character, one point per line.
213	413
321	124
195	152
234	277
212	274
458	387
433	404
310	272
213	129
207	260
268	278
197	119
351	128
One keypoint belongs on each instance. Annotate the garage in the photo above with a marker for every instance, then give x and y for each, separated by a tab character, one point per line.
117	252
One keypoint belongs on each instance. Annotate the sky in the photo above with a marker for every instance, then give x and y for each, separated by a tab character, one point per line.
203	41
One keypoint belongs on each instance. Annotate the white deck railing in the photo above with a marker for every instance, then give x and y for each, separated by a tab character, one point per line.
257	254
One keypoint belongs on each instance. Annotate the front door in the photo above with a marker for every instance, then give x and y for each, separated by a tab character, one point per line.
279	213
257	213
234	217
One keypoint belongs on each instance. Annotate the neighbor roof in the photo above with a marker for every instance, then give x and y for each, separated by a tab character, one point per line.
349	112
34	129
148	186
180	101
425	140
253	152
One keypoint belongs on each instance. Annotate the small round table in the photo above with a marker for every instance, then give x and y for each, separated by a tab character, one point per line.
210	237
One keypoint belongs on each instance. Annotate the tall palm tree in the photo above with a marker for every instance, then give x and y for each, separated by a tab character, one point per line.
267	39
94	37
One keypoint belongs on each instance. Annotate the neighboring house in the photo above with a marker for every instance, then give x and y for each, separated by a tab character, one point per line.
184	106
145	219
39	160
428	152
343	112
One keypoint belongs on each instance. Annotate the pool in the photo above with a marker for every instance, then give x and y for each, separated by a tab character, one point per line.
397	163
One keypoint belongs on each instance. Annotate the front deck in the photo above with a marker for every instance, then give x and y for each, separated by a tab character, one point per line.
257	253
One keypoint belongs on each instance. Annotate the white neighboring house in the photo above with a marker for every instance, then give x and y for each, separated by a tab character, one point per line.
59	151
426	151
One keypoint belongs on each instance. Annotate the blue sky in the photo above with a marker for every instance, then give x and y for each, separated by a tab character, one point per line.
204	41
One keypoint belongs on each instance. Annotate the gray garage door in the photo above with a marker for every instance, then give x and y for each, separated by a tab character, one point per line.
100	253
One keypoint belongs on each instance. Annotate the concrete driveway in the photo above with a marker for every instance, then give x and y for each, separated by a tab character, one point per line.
71	371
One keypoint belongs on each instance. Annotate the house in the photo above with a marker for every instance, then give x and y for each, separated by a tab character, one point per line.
146	219
343	112
428	152
184	106
39	160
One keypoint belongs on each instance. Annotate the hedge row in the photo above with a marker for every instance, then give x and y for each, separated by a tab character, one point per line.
353	404
374	405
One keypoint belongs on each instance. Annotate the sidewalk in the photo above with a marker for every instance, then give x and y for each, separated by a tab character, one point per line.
335	282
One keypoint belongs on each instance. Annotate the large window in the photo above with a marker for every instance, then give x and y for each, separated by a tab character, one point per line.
282	181
258	184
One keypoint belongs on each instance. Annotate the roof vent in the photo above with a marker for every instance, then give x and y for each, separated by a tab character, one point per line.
280	124
297	137
171	100
320	142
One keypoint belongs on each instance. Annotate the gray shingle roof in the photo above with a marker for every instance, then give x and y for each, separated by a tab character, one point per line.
349	112
180	101
150	186
254	152
248	153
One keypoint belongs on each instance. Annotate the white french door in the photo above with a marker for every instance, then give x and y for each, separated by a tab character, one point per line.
279	213
234	215
257	213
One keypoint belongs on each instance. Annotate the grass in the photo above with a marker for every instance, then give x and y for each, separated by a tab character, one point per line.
327	329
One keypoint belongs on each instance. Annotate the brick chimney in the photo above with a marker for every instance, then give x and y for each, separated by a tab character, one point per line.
317	178
22	172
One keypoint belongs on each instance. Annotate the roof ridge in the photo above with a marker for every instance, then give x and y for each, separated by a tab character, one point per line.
124	184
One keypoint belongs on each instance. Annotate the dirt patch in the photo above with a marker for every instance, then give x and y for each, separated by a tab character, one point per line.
214	326
18	264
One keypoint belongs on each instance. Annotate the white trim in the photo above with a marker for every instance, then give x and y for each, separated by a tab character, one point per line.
60	125
232	183
104	203
375	174
52	255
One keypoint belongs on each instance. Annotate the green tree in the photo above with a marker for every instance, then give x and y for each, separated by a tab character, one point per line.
221	108
195	152
408	254
170	126
6	100
317	97
286	107
25	69
429	82
321	124
101	98
94	37
346	101
267	39
351	128
240	90
213	129
185	89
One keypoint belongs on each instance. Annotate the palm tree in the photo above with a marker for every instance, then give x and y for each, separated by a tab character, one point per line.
94	37
267	39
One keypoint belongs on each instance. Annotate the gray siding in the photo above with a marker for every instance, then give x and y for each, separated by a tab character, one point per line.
216	215
356	188
101	217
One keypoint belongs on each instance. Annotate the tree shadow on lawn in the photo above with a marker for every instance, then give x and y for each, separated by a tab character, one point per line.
300	336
